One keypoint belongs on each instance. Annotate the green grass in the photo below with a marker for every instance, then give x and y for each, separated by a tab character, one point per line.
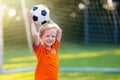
90	56
75	56
64	76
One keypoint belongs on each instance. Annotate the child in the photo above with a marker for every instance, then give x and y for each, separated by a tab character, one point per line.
46	44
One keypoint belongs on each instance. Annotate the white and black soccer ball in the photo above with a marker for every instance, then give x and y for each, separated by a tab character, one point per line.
40	14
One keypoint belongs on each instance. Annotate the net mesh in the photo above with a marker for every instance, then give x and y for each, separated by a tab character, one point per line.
92	25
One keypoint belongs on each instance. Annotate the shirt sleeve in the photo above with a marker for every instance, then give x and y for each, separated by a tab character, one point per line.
37	49
56	45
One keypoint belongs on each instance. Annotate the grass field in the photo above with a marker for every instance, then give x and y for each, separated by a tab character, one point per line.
75	56
64	76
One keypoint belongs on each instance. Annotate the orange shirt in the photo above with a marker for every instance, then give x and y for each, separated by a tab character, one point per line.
48	66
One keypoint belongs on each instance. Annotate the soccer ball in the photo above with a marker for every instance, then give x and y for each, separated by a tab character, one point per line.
40	14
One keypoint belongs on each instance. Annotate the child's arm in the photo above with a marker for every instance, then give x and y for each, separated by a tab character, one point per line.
59	34
34	32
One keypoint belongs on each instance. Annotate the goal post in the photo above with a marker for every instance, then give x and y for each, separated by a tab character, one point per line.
26	22
1	37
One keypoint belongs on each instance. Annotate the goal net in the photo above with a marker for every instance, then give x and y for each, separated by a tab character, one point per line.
82	21
86	21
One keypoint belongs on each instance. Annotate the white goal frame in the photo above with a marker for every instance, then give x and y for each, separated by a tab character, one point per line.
1	37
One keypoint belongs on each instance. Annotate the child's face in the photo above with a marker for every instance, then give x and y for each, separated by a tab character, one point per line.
49	36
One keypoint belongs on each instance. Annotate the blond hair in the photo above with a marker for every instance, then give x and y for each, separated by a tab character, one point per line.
47	26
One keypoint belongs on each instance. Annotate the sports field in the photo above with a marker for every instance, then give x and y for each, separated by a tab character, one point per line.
77	56
64	76
90	45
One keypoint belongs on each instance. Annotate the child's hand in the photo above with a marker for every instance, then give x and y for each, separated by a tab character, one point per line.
31	18
50	21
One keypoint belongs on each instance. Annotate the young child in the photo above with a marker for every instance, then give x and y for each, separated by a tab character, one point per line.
46	44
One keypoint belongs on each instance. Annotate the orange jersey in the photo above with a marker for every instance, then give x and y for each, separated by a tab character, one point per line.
47	67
